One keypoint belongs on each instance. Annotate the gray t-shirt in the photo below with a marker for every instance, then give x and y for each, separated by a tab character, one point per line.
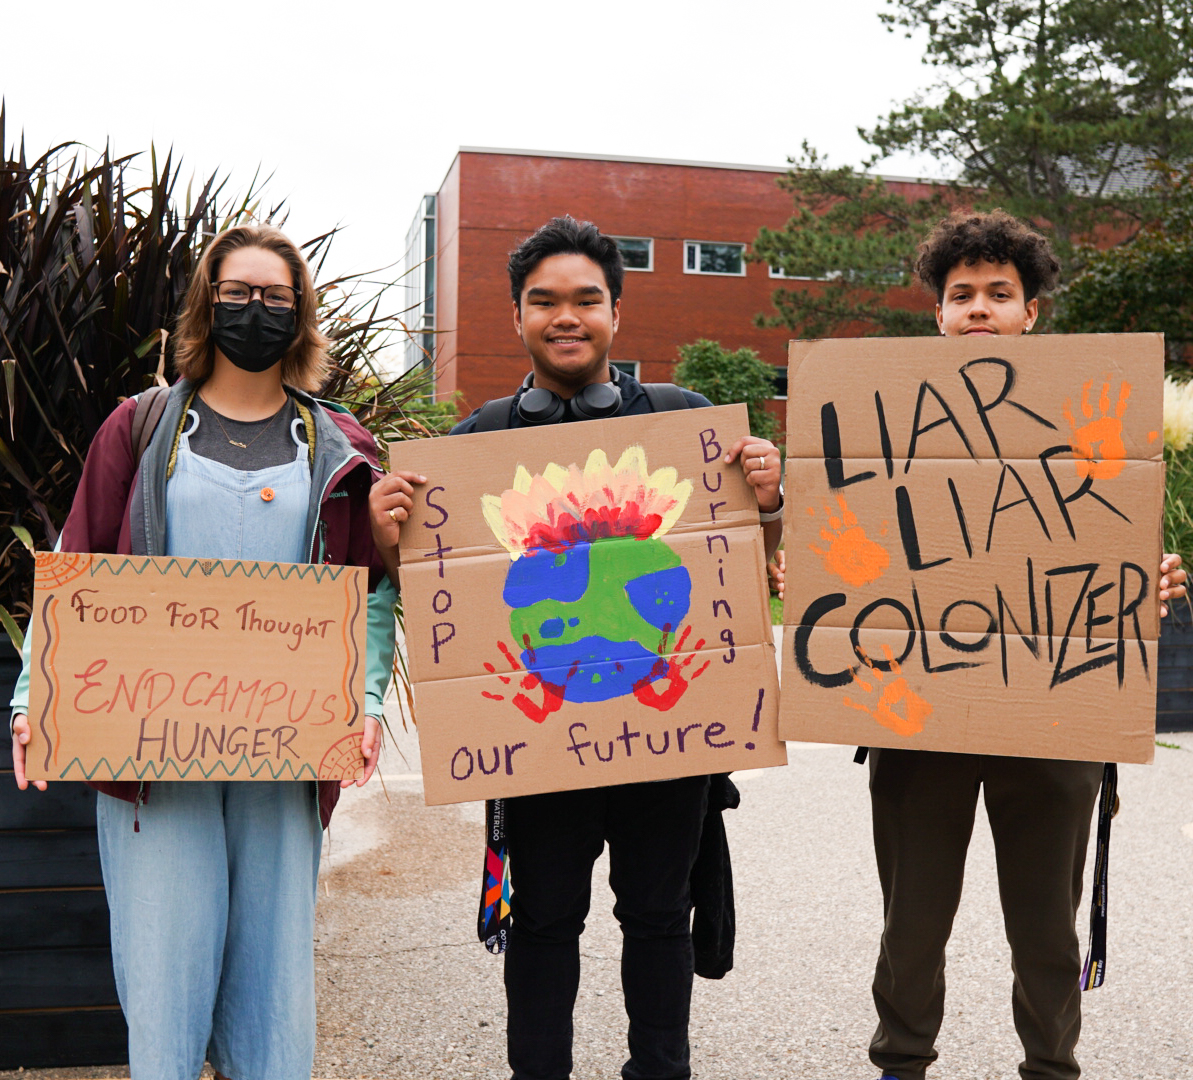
267	442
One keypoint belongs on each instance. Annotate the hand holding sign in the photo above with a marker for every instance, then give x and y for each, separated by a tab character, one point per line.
390	502
1172	581
20	739
763	468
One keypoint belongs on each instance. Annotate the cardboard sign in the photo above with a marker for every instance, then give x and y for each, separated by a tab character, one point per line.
973	543
585	606
195	669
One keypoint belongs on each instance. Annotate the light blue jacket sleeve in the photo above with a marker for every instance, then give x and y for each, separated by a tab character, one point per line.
379	646
20	693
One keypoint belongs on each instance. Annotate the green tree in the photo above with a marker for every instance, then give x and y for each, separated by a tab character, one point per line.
855	238
1057	110
1142	285
726	377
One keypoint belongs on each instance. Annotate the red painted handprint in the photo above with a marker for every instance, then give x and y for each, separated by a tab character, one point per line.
536	711
672	669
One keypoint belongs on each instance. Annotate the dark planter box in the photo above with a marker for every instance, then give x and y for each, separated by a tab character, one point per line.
57	995
1174	674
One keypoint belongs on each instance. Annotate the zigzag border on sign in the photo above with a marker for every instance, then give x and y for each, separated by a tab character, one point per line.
229	569
152	770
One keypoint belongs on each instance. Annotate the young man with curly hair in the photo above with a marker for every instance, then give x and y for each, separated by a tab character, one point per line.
987	271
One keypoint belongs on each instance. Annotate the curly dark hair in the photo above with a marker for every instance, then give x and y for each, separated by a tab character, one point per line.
567	236
967	236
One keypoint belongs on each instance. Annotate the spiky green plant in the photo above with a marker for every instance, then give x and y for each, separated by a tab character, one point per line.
94	262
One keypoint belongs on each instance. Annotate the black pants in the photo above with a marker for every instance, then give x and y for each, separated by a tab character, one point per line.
653	831
1039	811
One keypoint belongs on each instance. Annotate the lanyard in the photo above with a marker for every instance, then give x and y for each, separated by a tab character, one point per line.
1094	969
493	921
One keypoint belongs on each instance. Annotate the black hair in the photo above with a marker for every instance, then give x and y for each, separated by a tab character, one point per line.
567	236
997	237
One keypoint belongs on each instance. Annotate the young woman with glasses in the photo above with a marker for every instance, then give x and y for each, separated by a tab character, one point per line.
212	885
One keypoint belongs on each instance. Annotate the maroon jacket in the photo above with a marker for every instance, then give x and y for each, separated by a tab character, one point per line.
112	509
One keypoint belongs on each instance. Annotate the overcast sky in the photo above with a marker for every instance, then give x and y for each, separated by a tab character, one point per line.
357	107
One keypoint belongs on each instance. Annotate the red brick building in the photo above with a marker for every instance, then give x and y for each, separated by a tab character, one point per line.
684	228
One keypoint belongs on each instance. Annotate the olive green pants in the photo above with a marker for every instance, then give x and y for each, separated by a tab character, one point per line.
923	805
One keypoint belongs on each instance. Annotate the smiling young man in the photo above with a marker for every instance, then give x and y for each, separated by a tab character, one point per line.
987	271
566	319
565	284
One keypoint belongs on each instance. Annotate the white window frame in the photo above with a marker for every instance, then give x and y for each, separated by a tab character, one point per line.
689	244
634	365
781	397
649	267
777	272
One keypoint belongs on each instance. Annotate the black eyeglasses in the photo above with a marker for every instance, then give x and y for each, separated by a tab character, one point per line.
239	293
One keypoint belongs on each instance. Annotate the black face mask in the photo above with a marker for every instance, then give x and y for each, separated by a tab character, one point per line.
253	337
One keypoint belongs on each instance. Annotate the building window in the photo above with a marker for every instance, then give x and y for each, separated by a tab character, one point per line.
779	272
779	375
629	367
637	252
703	257
419	283
882	277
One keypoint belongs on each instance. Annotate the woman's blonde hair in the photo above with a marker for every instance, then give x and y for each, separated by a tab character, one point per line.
305	364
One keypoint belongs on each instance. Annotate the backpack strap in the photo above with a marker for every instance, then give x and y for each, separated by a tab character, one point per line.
150	406
665	396
494	415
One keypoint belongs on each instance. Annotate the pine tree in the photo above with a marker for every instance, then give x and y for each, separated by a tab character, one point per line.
1067	114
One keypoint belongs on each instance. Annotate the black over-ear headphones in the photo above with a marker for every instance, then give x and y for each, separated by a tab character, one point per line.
592	402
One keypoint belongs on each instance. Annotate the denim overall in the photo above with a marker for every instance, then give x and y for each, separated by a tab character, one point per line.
213	899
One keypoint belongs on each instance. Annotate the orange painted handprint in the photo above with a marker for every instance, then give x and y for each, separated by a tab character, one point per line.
893	694
851	554
1099	442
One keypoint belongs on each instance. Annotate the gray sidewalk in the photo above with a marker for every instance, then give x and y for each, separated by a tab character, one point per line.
406	990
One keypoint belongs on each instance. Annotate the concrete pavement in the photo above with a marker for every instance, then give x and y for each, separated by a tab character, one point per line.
406	991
